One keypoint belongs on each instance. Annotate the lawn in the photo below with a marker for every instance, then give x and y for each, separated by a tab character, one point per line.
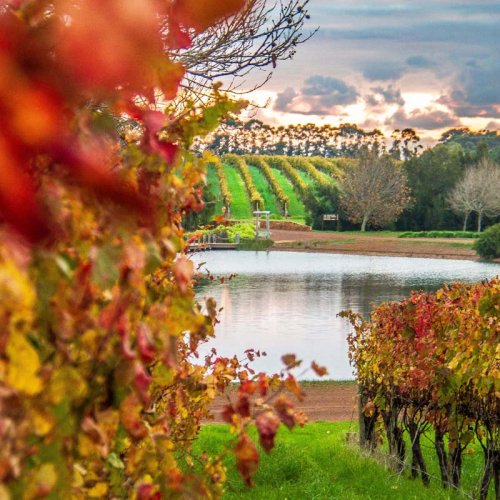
240	207
264	190
214	187
315	462
295	206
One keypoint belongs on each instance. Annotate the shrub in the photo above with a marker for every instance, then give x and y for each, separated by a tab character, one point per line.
488	244
438	234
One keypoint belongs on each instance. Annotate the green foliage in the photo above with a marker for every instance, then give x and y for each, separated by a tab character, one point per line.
253	244
488	243
431	177
245	230
323	200
438	234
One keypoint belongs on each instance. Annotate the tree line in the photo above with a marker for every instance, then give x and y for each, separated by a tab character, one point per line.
346	140
454	185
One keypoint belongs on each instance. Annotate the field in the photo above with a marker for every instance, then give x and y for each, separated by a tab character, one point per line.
316	462
280	183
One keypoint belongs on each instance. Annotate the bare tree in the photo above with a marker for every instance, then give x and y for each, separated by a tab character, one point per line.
257	38
374	190
478	191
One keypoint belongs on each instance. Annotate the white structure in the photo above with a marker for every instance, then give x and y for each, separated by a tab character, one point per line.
262	233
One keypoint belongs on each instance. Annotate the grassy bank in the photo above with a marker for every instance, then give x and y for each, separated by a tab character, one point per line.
316	463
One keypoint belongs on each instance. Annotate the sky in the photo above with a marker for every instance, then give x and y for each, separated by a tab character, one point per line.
428	65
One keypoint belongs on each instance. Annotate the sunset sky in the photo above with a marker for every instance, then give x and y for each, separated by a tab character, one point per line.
429	65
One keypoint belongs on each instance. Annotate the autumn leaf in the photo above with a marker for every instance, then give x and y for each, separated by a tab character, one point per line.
267	424
293	386
321	371
290	361
247	458
24	365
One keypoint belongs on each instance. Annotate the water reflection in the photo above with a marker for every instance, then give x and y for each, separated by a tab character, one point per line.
283	302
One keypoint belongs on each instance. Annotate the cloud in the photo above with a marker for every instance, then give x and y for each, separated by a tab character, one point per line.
284	98
381	96
427	119
320	95
382	70
476	91
420	62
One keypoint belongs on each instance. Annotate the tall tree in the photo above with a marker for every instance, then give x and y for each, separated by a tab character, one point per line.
374	190
431	177
478	191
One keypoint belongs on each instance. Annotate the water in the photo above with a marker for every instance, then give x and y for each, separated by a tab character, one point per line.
287	302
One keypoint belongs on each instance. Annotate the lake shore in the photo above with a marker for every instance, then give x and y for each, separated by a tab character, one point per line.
373	244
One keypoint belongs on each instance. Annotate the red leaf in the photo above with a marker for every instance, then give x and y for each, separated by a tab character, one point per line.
267	424
227	414
247	458
144	344
243	406
284	410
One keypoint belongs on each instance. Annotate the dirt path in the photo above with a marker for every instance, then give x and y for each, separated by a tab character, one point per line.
325	401
372	244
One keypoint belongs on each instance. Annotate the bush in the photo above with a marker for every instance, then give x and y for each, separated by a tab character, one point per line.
245	230
438	234
488	244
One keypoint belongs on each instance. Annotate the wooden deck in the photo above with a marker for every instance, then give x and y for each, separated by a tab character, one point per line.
202	247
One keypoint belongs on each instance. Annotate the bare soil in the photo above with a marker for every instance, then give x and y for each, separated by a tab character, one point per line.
373	244
324	401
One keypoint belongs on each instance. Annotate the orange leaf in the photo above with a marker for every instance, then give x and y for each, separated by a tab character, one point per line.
321	371
247	458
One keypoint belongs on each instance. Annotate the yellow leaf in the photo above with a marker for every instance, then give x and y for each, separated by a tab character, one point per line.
4	493
99	490
43	481
24	364
42	422
67	381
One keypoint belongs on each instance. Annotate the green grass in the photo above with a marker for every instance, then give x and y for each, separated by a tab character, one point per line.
240	207
449	244
295	207
264	190
316	463
305	177
214	187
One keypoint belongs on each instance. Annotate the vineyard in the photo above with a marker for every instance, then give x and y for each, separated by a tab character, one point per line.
428	368
279	184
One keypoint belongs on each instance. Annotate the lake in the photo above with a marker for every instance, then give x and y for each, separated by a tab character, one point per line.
287	302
